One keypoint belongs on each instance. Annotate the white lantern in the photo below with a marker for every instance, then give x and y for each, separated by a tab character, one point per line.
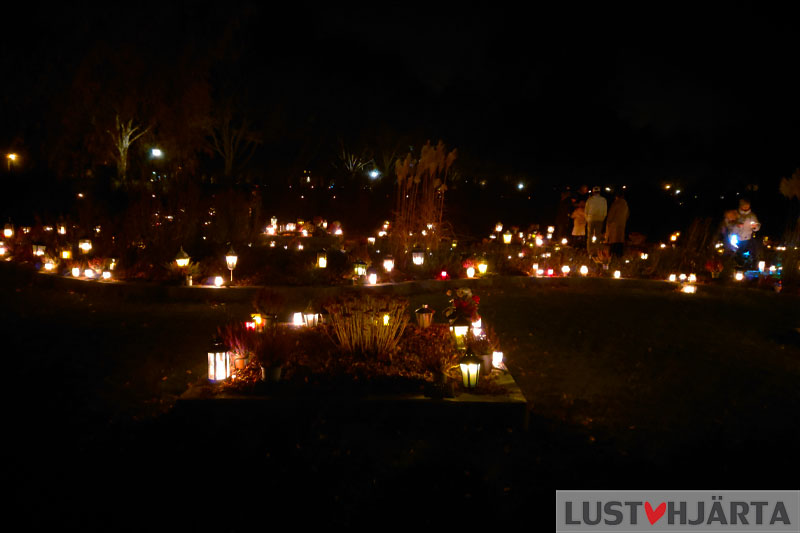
617	274
2	249
584	270
682	276
483	267
565	269
219	361
298	319
762	265
692	278
388	263
322	259
88	273
497	359
498	227
8	231
85	245
673	278
689	289
739	275
470	272
372	278
49	266
218	281
564	241
507	237
76	272
459	329
310	318
106	275
360	268
38	250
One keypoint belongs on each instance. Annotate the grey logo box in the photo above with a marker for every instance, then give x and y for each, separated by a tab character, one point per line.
717	511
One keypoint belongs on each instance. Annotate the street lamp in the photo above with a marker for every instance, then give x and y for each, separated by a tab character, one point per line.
156	153
182	259
231	258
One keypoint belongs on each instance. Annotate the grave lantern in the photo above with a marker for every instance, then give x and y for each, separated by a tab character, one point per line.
470	370
218	281
388	263
2	248
459	328
76	272
617	274
424	316
418	256
85	245
565	270
360	268
584	270
372	277
470	272
182	259
322	259
310	318
498	227
231	258
219	361
483	267
507	237
66	253
8	231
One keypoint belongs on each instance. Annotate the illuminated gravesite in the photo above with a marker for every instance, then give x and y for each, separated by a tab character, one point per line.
357	267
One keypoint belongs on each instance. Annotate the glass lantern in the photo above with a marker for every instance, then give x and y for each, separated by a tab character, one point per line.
322	259
231	259
424	316
8	231
418	256
459	328
388	263
219	361
360	268
483	266
85	245
507	237
470	370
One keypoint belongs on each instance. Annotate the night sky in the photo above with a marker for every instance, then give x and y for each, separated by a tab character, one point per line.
552	96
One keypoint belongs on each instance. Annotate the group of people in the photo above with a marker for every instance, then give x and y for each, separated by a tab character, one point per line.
587	220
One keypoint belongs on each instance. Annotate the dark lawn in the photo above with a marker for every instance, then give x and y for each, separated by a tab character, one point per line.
630	385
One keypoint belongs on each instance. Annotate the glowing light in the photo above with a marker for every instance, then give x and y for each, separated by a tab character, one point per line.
584	270
734	240
443	274
418	257
388	263
2	249
49	266
386	319
182	259
497	359
507	237
470	367
692	278
673	278
322	260
338	231
219	361
372	279
663	246
85	245
498	227
76	272
617	274
106	275
550	272
89	273
539	241
738	276
231	259
38	250
360	268
62	229
291	226
218	281
682	277
12	157
66	254
565	269
564	241
762	265
689	289
374	174
594	238
310	318
520	185
156	152
483	267
470	272
8	231
643	256
371	240
297	319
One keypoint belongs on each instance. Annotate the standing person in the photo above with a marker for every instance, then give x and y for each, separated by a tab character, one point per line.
746	225
596	210
578	217
565	207
615	225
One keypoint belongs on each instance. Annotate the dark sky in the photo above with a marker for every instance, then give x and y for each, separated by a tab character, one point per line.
563	91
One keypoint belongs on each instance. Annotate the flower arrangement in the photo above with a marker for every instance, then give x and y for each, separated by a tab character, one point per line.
463	304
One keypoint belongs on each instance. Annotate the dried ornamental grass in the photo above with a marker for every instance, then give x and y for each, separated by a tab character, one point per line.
368	324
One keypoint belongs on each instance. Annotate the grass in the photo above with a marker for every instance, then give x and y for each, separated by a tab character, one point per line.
629	385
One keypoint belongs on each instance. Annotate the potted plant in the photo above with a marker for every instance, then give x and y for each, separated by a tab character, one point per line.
482	347
273	350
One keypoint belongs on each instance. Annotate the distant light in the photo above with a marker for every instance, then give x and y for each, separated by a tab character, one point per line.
218	281
692	278
106	274
682	277
668	186
297	319
520	185
677	191
734	240
372	278
156	152
12	157
673	278
89	273
689	289
565	269
564	241
374	174
584	270
617	274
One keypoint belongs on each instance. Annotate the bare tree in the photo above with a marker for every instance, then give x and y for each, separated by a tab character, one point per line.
234	140
123	136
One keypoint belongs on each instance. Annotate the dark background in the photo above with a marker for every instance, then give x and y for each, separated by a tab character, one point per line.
701	97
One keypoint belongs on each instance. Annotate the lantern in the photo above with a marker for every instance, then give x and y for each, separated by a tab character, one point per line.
459	328
360	268
38	250
470	370
89	273
584	270
49	266
218	281
219	361
498	227
497	359
424	316
182	259
62	229
673	278
539	241
643	256
85	245
564	241
76	272
274	222
617	274
322	259
550	272
388	263
682	276
565	270
418	256
762	265
551	229
738	275
372	277
298	319
8	231
689	289
483	267
231	258
310	318
371	241
477	328
66	254
470	272
507	237
106	275
692	278
2	249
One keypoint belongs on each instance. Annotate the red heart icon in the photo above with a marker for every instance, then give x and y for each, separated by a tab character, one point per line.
652	515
